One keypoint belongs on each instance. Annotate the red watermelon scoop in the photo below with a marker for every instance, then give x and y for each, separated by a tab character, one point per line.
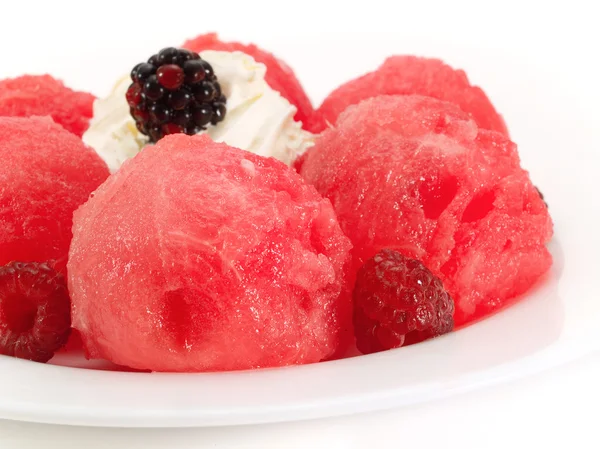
279	75
29	95
46	173
196	256
417	175
406	75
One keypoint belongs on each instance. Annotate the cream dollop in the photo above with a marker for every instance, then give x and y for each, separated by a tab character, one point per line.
258	118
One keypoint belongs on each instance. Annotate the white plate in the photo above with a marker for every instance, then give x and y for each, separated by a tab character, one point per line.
551	111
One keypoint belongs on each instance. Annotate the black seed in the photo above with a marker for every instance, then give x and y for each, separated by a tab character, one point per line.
204	92
152	88
143	72
179	99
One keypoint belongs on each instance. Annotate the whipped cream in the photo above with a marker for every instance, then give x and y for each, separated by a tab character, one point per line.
258	118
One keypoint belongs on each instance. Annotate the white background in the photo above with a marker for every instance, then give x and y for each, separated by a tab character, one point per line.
83	41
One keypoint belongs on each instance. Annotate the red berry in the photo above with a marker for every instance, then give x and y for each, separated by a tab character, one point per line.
134	95
35	311
398	301
170	76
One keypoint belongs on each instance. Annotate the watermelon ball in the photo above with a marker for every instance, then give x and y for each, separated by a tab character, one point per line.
279	75
46	173
29	95
406	75
417	175
196	256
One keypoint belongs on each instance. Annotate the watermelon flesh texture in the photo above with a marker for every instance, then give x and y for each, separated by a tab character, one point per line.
46	173
418	175
43	95
196	256
407	75
279	75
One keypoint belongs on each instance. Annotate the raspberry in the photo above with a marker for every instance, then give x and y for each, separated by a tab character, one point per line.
35	311
398	301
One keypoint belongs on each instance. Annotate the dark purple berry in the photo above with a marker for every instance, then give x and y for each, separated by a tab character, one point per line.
134	72
219	111
140	114
204	92
208	70
143	72
175	92
194	71
202	115
218	89
182	118
153	60
159	113
179	99
155	133
192	130
152	88
168	55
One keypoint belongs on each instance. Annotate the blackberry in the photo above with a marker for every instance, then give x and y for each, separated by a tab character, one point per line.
175	92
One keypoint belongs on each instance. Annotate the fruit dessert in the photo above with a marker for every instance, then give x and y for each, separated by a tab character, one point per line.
196	256
220	93
29	95
404	75
417	175
407	215
47	172
279	75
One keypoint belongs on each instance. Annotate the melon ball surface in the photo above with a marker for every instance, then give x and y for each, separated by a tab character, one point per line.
279	75
46	173
418	175
196	256
406	75
43	95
